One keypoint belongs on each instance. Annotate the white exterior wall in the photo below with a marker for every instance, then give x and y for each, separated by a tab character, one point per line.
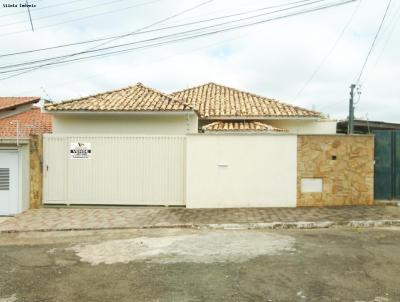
241	171
25	177
23	170
122	170
124	123
323	126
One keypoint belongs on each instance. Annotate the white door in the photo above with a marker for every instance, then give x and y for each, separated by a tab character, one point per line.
9	201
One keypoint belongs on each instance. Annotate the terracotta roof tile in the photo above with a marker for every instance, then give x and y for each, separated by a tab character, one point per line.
12	102
213	100
248	126
132	98
32	121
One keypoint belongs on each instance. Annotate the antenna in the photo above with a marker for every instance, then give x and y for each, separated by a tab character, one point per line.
29	13
45	92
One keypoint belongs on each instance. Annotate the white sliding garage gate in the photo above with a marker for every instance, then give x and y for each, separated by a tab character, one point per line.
114	170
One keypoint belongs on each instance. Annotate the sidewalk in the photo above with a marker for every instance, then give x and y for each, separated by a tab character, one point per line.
60	219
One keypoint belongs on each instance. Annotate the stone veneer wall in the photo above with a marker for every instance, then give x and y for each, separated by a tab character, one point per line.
347	180
36	172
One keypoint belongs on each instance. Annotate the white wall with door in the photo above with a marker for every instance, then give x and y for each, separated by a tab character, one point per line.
241	170
114	170
14	177
199	170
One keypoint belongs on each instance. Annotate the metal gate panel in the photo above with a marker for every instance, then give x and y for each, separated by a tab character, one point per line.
387	164
134	170
396	165
383	165
55	155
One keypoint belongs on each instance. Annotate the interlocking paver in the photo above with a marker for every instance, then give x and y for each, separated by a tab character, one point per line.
137	217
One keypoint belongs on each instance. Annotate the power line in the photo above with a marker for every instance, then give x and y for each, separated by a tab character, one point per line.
167	42
159	37
149	31
373	42
120	37
190	37
64	13
43	7
332	49
196	49
81	18
360	84
391	30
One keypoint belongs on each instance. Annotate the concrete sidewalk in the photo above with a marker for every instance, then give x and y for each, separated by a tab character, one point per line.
61	219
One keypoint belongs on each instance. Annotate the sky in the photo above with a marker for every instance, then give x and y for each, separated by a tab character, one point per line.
307	60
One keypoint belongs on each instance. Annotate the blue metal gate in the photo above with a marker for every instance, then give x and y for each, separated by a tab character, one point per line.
387	165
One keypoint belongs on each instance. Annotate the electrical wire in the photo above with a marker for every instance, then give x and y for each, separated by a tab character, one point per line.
81	18
149	31
373	43
391	29
120	37
180	39
159	37
358	85
148	40
64	13
192	50
331	50
41	8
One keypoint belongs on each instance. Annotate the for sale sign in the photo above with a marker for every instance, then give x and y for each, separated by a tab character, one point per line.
80	150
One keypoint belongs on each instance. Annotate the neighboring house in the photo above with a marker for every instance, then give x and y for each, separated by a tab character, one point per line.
207	146
20	159
14	105
366	126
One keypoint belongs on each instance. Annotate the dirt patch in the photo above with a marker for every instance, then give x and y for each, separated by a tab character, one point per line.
12	298
198	248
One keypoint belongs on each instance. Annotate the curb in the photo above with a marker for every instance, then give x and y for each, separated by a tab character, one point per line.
234	226
307	224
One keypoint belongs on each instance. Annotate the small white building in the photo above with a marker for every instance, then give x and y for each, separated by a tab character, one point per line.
207	146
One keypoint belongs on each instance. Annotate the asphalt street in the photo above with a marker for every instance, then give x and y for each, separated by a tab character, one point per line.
337	264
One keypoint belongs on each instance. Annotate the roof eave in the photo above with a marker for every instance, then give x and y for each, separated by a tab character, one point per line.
33	101
144	112
241	118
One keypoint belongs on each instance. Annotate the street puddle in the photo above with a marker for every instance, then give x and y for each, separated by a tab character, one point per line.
237	246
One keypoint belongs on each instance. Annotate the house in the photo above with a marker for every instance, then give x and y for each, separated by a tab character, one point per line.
132	110
21	122
218	103
366	126
202	147
143	110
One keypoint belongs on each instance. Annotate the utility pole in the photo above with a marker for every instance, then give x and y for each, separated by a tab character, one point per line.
350	124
